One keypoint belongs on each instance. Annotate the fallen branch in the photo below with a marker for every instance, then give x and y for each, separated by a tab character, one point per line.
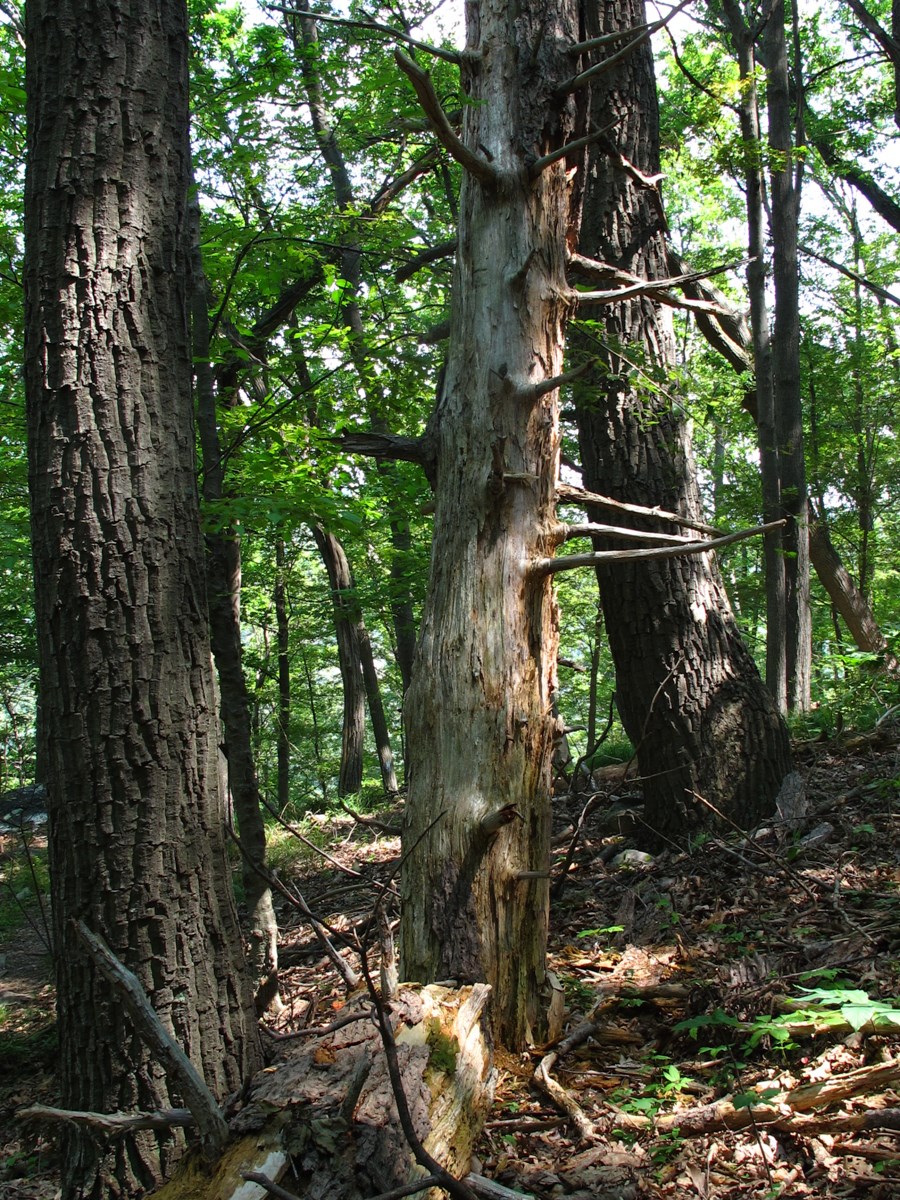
557	1093
370	822
785	1111
112	1124
200	1100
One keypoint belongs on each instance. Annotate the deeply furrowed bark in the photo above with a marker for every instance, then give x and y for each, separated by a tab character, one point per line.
136	831
687	689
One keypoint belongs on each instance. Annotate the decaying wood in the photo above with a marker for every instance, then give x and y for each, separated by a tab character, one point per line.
328	1110
557	1093
110	1124
786	1110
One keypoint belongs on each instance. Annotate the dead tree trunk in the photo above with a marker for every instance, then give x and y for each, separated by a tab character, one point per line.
479	710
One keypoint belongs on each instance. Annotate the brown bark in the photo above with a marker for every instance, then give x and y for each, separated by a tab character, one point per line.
785	175
346	620
687	689
478	712
136	821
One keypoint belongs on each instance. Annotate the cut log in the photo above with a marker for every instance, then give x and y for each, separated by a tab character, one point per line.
323	1120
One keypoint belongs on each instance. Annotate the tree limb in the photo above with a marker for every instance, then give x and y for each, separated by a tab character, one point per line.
570	493
566	533
200	1100
569	562
398	35
479	167
645	32
112	1124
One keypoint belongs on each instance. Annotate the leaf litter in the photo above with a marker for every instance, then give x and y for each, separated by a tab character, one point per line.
731	1022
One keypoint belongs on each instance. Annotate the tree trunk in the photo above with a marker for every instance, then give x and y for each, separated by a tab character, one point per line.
223	576
688	691
849	601
769	452
785	176
845	595
376	713
346	627
333	1103
481	733
136	832
304	34
283	790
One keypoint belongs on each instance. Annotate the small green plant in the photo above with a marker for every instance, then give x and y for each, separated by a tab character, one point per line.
667	908
666	1148
577	993
607	929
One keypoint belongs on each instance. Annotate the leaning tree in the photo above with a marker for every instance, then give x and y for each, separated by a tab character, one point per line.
129	707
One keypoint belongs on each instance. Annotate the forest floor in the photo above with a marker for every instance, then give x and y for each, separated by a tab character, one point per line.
730	1026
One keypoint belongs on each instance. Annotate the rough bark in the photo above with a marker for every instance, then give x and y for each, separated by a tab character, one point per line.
687	689
785	175
479	710
136	820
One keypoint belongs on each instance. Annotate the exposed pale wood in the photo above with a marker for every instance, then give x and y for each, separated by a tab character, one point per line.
331	1106
110	1123
786	1110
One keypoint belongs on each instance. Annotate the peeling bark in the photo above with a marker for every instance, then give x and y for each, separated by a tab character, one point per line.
479	710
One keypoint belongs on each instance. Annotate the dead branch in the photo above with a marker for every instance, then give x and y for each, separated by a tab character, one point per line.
541	164
785	1110
478	167
210	1122
570	493
370	822
490	1190
558	1094
376	27
111	1124
585	77
455	1187
269	1185
566	533
569	562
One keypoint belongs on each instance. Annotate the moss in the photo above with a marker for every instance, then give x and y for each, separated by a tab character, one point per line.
195	1180
443	1049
